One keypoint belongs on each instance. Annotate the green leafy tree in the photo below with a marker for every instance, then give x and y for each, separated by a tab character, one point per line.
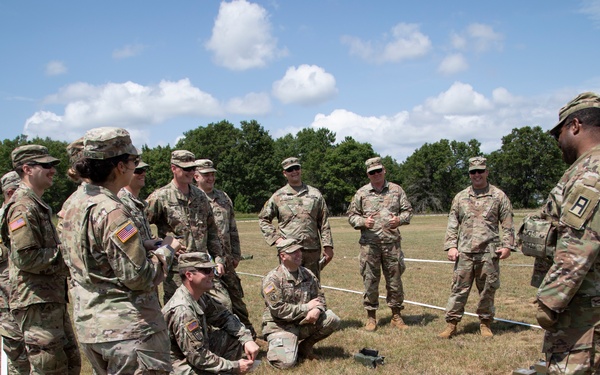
435	172
344	173
214	141
159	174
527	166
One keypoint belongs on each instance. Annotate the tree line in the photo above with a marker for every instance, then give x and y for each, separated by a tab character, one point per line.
247	158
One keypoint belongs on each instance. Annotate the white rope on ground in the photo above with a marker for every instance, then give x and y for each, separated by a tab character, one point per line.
410	302
449	262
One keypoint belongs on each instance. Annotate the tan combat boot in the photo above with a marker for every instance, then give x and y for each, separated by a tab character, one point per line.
450	330
371	325
397	321
485	329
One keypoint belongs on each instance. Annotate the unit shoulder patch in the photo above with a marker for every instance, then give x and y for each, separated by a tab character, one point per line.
579	206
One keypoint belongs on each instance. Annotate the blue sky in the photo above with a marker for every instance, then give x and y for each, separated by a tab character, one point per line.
392	73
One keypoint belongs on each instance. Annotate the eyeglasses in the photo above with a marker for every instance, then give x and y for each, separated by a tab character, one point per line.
477	171
140	170
135	160
206	271
188	169
293	168
557	134
43	165
371	173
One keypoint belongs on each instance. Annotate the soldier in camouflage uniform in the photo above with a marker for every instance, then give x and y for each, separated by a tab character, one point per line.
378	209
224	215
302	214
13	343
568	299
38	275
129	195
205	336
295	309
116	309
182	210
473	242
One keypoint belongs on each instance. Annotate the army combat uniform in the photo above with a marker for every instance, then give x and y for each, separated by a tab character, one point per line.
191	217
301	215
13	343
286	297
224	216
570	287
138	215
38	285
380	245
197	347
473	228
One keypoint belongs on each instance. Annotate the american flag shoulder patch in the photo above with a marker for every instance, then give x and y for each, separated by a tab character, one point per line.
192	326
126	231
269	288
16	224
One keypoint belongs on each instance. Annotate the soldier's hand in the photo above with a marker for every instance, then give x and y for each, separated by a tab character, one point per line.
328	252
245	365
312	316
452	254
545	317
314	303
394	221
174	243
251	349
221	269
370	222
503	252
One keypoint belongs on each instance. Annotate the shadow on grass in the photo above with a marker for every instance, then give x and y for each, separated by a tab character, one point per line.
412	320
332	352
498	328
352	323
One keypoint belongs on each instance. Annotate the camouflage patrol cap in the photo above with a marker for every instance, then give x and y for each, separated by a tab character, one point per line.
373	164
142	165
205	166
10	180
477	163
107	142
290	162
31	154
74	150
288	246
581	101
183	158
196	260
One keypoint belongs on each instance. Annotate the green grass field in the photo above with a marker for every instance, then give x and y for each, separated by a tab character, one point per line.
417	350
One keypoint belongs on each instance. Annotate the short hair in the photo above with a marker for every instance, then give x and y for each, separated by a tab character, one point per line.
183	270
587	116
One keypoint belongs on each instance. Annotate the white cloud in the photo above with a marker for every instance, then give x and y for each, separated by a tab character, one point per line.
405	42
55	68
591	8
241	37
453	64
459	113
484	37
305	85
127	51
457	41
127	105
251	104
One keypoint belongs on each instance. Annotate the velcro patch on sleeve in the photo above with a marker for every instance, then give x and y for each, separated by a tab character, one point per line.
16	224
269	289
579	206
192	326
126	231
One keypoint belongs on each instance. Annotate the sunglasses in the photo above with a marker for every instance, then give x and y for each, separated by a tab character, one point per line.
293	168
140	170
43	165
371	173
206	271
188	169
135	160
476	171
